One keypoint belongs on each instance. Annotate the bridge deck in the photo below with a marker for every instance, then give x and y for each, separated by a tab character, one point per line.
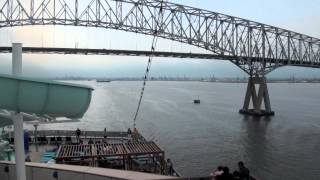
118	52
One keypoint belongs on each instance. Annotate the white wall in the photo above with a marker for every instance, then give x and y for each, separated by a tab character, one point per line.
40	171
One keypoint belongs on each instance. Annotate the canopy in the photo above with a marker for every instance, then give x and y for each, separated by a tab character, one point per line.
44	97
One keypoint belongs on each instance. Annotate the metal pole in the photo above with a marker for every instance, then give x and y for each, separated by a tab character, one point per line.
76	12
36	136
17	117
16	59
18	146
31	8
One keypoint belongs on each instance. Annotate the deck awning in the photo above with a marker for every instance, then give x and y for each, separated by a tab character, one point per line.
107	150
5	121
44	97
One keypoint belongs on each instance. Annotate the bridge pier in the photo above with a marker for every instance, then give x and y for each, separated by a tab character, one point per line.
257	99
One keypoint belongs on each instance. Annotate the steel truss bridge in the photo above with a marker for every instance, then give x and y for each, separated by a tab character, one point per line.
254	47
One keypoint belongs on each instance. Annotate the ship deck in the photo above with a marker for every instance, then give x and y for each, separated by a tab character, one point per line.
116	150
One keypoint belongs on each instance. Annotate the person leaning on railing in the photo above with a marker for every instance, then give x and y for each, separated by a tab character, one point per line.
105	136
78	133
169	167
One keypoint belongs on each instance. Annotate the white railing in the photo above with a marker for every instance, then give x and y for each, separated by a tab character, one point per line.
40	171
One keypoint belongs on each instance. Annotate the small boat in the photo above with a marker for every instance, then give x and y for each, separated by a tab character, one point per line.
196	101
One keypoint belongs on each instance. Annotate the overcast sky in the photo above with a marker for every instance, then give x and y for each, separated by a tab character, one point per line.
301	16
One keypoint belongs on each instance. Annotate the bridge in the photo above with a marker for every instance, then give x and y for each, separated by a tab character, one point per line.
254	47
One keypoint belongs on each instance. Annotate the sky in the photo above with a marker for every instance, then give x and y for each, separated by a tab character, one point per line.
296	15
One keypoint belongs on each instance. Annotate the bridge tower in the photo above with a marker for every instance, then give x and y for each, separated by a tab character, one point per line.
257	92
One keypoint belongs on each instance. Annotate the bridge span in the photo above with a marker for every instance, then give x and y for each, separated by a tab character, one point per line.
125	52
112	52
254	47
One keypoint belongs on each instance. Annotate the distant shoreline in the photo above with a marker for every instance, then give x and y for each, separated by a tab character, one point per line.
189	80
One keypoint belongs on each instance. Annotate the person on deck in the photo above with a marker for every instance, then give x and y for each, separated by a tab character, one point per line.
129	134
78	133
244	172
218	172
169	167
28	159
135	130
135	134
105	135
225	175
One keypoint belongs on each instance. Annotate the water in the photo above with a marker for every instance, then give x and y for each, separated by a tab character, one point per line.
200	137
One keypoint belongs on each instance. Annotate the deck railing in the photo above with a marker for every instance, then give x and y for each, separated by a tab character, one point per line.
40	171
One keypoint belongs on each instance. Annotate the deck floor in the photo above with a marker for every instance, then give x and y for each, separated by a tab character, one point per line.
36	156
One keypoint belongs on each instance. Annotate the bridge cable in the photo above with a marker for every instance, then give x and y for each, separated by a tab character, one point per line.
153	46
